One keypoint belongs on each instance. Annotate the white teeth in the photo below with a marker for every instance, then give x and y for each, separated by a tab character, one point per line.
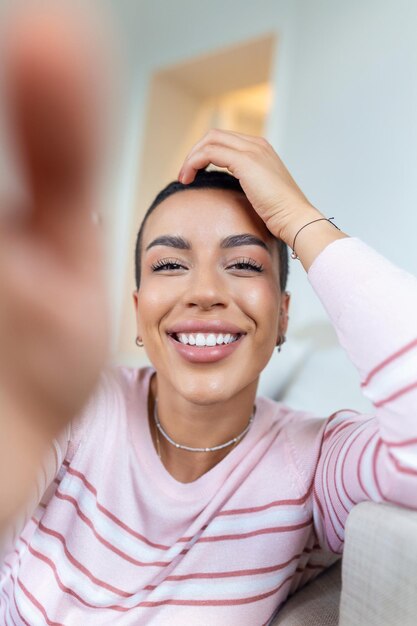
210	339
200	340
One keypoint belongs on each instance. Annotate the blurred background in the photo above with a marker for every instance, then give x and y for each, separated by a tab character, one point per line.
331	84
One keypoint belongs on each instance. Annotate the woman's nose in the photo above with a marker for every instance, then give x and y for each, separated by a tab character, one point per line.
206	289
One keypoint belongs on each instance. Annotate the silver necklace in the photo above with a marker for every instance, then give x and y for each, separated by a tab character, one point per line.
235	440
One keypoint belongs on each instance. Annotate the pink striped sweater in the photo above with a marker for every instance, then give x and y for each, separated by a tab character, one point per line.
117	540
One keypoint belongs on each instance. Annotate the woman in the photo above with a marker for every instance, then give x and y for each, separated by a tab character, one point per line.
177	496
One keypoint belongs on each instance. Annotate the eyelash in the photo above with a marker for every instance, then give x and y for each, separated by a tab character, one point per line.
244	263
248	264
162	264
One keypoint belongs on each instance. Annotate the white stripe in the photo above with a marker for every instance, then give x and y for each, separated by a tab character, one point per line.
74	578
17	596
221	588
110	531
11	609
366	470
28	610
269	518
324	481
3	607
405	455
337	527
345	415
343	493
58	459
222	525
207	588
393	377
356	432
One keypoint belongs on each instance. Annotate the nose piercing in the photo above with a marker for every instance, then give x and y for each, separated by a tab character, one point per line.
139	341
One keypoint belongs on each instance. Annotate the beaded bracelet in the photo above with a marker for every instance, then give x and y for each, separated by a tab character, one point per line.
327	219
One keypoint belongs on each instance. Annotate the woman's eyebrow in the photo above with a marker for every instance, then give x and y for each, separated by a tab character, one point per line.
245	239
173	241
233	241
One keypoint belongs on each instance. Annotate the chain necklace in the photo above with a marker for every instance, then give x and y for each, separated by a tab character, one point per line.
233	441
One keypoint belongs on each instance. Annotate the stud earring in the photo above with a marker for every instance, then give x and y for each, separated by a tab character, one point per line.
139	342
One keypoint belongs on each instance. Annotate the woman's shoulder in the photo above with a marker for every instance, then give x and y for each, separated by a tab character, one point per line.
109	401
116	383
129	378
276	411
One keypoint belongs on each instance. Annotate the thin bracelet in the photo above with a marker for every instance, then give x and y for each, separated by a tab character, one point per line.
327	219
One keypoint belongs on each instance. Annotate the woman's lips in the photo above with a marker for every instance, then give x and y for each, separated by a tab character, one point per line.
205	354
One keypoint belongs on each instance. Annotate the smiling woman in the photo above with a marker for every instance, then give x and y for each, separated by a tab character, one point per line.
206	314
177	495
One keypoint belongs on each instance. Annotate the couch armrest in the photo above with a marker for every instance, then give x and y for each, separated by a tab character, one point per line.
379	567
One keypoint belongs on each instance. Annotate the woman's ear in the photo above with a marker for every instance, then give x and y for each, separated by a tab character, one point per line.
136	305
283	313
135	299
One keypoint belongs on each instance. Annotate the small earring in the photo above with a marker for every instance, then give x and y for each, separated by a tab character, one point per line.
281	340
139	342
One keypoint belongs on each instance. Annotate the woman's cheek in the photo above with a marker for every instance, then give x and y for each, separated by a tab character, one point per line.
261	301
153	305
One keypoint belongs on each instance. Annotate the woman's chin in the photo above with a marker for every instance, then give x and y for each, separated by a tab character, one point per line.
204	388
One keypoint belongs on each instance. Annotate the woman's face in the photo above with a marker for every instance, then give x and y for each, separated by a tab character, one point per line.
209	275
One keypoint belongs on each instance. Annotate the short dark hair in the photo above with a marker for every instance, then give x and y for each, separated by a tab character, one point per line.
205	179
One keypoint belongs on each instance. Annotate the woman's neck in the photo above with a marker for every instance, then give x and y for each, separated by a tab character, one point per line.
196	426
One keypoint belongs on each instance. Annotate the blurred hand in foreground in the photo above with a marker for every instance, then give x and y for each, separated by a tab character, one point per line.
53	301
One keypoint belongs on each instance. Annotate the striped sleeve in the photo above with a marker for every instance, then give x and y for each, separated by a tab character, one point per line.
62	448
43	481
372	305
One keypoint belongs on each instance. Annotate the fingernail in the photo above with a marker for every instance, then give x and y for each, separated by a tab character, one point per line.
180	175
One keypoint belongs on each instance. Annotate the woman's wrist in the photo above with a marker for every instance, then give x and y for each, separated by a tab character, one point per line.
303	216
313	239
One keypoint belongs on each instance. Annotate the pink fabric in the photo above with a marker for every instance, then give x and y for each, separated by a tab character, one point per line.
117	540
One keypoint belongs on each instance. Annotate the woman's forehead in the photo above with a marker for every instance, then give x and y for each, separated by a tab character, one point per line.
209	214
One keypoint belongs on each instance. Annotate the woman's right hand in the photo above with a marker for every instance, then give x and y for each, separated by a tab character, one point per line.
53	317
268	186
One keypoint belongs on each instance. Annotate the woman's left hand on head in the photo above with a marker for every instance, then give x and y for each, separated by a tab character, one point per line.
264	178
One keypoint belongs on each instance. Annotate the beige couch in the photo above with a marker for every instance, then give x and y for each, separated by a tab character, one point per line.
375	584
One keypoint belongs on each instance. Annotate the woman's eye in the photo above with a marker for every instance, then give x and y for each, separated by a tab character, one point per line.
247	265
166	265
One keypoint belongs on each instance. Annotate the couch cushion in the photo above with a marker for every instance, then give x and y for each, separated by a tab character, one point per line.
316	604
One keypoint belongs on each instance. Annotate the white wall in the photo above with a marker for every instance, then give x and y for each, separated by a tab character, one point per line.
351	141
344	119
156	34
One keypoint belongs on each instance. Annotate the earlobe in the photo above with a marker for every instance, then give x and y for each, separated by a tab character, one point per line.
280	341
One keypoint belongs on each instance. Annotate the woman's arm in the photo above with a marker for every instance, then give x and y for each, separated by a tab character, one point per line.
53	318
373	307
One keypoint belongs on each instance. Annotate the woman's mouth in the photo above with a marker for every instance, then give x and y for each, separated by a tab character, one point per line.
202	340
205	347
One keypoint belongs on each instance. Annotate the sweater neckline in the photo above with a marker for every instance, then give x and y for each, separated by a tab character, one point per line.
206	484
